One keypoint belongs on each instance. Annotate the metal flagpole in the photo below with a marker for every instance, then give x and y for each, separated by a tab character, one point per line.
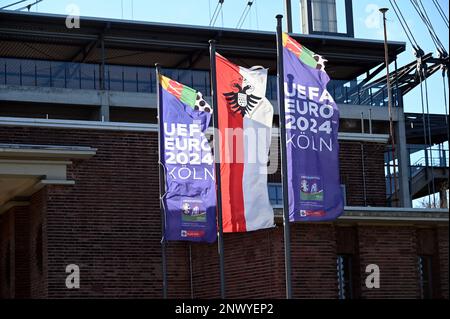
391	123
288	6
161	185
282	120
212	56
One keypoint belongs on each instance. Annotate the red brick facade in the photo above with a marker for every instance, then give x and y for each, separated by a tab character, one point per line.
108	224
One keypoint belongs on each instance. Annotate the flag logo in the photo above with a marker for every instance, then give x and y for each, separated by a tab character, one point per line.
193	211
241	100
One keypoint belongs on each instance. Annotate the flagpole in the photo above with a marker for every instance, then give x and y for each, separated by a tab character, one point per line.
161	185
212	57
282	121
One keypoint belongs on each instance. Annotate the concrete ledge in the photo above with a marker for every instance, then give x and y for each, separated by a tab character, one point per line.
46	182
51	95
395	214
45	151
132	99
387	214
95	98
92	125
357	137
139	127
362	137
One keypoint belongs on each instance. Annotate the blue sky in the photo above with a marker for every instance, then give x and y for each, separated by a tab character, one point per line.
367	22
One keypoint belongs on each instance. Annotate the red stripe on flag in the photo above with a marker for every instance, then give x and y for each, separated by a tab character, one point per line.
233	215
293	46
175	88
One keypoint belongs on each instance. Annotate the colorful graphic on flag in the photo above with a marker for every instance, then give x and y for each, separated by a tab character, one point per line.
245	126
190	198
312	123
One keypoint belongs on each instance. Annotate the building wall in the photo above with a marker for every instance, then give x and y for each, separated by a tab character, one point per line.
108	224
39	245
355	156
15	242
6	254
314	261
253	266
394	250
21	251
442	244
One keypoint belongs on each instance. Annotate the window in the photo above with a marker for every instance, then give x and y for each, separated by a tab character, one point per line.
327	16
275	195
344	193
324	15
344	275
425	278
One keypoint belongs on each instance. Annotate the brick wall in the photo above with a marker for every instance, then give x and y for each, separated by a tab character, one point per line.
352	160
108	223
21	251
442	241
253	267
7	255
14	241
254	264
39	245
313	250
394	250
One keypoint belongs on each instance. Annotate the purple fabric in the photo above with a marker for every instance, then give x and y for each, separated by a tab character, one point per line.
312	123
190	199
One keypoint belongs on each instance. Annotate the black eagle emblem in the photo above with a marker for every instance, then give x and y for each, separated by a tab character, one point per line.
241	101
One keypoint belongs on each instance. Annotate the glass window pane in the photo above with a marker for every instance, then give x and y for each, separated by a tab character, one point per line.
145	79
58	73
114	74
73	75
89	76
13	72
28	73
280	193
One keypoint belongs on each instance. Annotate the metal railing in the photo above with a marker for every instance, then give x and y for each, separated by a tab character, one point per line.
423	156
356	93
71	75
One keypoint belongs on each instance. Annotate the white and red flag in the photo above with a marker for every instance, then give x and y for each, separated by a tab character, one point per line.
245	125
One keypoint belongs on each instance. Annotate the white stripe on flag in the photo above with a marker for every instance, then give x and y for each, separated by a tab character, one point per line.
258	125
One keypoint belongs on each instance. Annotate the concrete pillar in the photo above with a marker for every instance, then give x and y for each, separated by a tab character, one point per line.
104	108
443	195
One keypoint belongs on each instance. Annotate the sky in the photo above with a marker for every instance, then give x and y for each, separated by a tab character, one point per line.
367	23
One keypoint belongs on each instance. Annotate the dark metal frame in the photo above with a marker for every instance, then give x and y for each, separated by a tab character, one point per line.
348	21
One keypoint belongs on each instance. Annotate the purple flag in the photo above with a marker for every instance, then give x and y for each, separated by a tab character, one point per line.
190	198
312	123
